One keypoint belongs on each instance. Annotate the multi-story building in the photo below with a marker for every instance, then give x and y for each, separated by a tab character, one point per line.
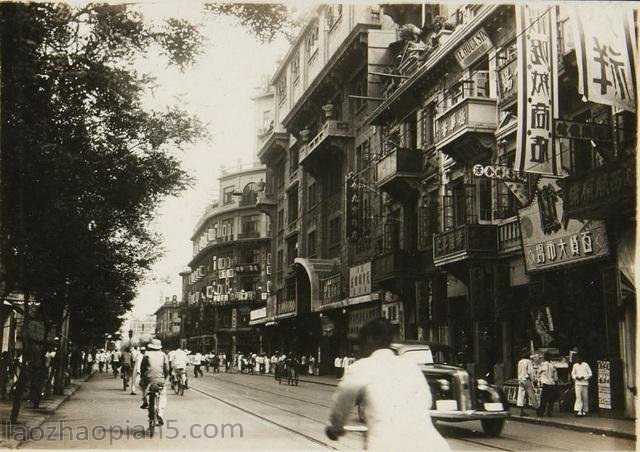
320	189
140	329
520	255
422	168
168	322
229	273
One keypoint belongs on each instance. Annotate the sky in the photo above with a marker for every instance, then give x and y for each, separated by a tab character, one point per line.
218	90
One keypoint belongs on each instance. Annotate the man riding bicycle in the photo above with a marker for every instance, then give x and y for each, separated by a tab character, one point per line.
178	362
153	372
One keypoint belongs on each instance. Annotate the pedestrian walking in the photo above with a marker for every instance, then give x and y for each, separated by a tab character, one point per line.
312	363
337	364
394	392
136	373
548	378
526	376
581	373
197	362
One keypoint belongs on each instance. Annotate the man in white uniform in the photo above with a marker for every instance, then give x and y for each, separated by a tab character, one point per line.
395	395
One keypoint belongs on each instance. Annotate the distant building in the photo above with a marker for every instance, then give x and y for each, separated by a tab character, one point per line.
168	321
142	329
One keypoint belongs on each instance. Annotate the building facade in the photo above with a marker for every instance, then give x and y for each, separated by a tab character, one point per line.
443	166
168	322
229	273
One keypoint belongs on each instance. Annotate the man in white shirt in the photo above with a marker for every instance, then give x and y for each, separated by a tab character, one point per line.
548	377
581	373
337	363
136	373
526	376
197	362
394	393
178	361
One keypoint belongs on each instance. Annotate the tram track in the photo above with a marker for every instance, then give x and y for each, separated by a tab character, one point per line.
321	423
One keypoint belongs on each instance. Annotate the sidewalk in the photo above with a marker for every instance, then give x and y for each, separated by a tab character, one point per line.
30	418
620	428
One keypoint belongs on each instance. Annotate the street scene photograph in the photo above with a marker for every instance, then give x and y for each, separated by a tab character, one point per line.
391	226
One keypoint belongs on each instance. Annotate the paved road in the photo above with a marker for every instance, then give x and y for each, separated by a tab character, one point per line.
272	416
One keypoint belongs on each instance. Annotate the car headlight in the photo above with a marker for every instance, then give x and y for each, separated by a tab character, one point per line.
444	384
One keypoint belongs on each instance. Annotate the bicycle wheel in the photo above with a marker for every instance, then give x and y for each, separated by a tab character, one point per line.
152	413
181	388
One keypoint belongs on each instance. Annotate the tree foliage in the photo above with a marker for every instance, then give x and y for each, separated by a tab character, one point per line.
265	20
85	164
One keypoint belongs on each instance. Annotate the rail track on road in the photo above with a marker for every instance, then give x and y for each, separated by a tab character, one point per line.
321	422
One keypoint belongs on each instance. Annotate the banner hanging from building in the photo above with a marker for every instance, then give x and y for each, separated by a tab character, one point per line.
606	52
537	90
550	239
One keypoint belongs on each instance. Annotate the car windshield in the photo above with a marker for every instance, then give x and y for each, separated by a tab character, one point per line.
419	356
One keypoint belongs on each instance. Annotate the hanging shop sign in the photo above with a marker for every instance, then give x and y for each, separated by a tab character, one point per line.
473	48
551	239
604	384
537	89
499	172
360	280
585	131
359	317
247	268
599	190
606	52
507	81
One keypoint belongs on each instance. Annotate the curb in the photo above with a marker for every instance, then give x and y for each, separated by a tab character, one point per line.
576	428
9	443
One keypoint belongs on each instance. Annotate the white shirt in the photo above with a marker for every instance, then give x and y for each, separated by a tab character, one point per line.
581	370
138	362
525	369
396	398
197	359
179	359
337	362
547	373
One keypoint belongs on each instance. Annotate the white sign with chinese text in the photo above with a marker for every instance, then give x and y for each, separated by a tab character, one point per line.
537	89
550	239
605	52
360	280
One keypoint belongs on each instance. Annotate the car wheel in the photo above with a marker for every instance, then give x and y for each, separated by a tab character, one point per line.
492	427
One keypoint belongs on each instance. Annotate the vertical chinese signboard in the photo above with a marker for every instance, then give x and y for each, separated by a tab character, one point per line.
537	89
605	53
604	384
550	239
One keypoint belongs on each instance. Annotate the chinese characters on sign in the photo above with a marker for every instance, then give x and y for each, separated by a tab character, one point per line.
605	53
550	240
359	317
360	280
537	90
604	384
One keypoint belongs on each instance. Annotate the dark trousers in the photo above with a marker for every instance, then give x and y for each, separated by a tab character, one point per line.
197	370
547	397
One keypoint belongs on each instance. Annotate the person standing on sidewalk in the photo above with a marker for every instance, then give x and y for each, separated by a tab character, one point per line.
581	373
525	383
337	363
197	362
548	378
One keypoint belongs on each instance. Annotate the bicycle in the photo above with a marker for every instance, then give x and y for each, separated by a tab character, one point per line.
180	382
154	407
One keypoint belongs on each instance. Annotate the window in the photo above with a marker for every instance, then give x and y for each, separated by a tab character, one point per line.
281	219
360	89
428	125
312	195
334	14
295	68
311	244
311	43
280	260
506	203
292	205
293	161
279	174
267	120
227	197
250	224
227	228
484	197
292	249
251	256
249	194
429	218
333	181
335	226
281	88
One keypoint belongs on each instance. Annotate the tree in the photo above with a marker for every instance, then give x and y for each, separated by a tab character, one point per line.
265	20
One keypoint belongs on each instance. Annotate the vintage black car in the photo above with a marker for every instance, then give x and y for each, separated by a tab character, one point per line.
456	396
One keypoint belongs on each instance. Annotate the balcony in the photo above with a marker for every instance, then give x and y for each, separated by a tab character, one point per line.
509	238
398	172
225	238
396	264
465	242
267	203
333	132
248	235
465	129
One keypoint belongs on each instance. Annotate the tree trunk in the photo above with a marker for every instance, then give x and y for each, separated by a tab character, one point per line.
22	378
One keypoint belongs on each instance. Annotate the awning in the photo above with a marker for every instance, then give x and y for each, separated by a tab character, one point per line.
350	301
317	269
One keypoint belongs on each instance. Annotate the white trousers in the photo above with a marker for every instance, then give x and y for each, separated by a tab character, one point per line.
582	399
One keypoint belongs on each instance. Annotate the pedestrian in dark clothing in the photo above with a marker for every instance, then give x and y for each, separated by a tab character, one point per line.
548	377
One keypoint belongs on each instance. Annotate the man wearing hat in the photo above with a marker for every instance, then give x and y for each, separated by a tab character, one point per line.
153	371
